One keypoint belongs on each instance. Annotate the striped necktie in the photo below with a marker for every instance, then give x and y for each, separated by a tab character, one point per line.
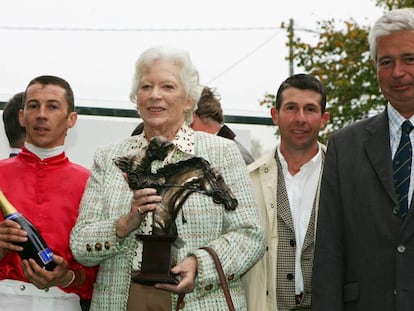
402	167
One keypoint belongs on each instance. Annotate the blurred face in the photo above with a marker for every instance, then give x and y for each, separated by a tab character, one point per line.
162	100
299	119
395	70
45	116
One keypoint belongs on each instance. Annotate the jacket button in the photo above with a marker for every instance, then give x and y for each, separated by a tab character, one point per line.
396	210
98	246
401	249
292	243
88	247
107	245
209	287
266	170
290	276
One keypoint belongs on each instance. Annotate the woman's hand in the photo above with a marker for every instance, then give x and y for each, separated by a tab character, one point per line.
143	201
187	270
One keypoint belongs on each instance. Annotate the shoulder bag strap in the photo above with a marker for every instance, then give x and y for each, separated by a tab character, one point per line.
224	286
223	281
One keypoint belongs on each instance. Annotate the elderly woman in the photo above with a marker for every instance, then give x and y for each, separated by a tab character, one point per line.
166	90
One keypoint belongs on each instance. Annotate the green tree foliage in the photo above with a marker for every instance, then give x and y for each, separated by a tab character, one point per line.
395	4
340	59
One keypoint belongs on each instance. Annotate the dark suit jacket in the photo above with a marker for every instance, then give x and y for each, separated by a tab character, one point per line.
364	256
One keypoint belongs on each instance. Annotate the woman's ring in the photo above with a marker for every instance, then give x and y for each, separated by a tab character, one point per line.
139	211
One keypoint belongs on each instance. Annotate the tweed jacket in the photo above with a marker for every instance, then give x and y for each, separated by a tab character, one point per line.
364	251
237	236
260	280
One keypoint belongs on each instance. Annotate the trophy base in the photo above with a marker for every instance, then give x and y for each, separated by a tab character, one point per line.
152	278
156	260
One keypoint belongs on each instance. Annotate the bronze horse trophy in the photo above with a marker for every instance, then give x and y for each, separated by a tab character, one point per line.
174	182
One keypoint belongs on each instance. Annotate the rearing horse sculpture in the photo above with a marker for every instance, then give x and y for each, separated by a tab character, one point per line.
174	182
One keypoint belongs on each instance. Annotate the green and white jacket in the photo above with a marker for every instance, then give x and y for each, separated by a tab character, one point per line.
237	236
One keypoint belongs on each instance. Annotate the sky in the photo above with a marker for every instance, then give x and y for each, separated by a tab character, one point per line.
237	46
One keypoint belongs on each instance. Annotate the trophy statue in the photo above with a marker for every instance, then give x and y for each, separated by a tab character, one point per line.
174	182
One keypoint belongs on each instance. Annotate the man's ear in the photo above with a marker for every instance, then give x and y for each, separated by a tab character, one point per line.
324	119
274	113
21	118
72	118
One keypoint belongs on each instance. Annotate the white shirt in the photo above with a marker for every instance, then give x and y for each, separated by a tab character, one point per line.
301	189
22	296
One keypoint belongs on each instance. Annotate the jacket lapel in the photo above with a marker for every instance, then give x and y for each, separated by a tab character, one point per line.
268	179
377	147
311	232
282	199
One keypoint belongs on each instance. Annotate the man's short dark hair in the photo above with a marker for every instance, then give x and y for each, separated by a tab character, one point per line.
16	134
304	82
45	80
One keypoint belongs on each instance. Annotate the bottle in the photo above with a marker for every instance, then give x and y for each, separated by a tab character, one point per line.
35	247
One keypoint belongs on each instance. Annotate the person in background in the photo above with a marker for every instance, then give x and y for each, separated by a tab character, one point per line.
286	182
16	134
46	188
166	90
209	118
365	237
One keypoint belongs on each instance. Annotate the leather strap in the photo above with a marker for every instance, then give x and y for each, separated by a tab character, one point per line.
222	277
180	302
223	280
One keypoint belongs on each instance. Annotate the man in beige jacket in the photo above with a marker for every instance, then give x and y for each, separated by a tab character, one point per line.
286	183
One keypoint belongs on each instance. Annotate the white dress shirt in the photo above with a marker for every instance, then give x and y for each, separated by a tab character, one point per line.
301	189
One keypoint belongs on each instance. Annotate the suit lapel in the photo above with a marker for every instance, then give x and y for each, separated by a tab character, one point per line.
283	207
311	232
377	147
309	237
266	169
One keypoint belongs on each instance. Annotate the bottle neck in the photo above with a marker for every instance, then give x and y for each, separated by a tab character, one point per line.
5	206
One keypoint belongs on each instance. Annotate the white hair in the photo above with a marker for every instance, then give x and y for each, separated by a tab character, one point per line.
188	73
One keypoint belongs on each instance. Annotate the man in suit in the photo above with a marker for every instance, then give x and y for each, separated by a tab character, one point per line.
16	134
286	183
364	252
